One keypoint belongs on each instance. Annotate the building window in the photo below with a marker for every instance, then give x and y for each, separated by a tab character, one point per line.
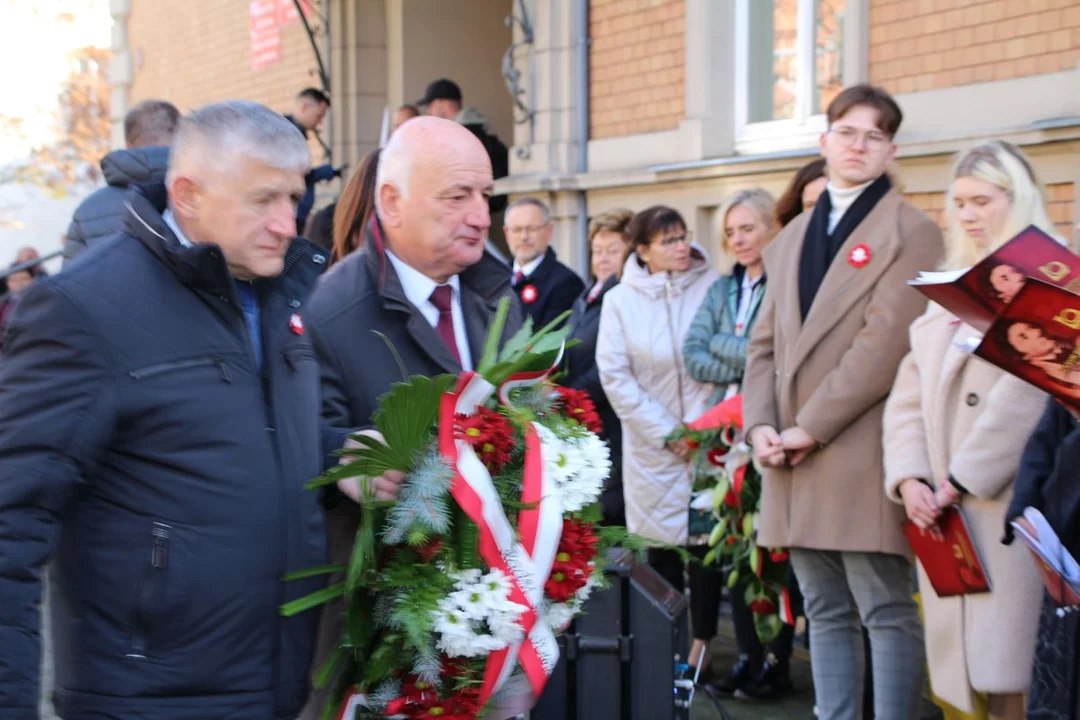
790	63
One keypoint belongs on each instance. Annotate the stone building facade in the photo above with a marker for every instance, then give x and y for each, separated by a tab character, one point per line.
637	102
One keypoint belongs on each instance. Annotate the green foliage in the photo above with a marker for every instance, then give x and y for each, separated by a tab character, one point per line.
313	600
314	571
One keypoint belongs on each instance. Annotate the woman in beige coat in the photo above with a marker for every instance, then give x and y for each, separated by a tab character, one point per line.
643	323
955	428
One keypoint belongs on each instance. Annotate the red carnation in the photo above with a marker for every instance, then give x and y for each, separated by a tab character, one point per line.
490	434
580	407
731	540
778	556
716	456
570	572
762	606
429	549
731	499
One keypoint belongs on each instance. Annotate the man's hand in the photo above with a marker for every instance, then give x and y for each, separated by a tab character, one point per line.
767	446
384	487
922	509
798	444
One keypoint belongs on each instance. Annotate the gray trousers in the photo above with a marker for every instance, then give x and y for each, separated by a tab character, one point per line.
843	592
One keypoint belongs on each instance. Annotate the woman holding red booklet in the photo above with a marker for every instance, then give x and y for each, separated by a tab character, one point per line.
955	428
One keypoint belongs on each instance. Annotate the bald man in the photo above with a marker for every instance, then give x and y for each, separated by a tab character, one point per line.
424	280
160	417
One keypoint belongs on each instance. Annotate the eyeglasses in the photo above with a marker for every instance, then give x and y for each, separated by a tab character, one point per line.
847	136
522	229
673	240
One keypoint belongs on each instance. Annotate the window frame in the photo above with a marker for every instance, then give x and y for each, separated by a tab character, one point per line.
805	127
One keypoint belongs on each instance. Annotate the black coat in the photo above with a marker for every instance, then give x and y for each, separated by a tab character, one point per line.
1049	475
1049	480
582	374
549	291
102	214
146	455
362	295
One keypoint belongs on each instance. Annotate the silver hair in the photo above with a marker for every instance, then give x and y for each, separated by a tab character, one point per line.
535	202
395	168
220	132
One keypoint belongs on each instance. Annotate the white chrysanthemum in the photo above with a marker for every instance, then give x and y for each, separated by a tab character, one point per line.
494	587
562	461
477	617
557	615
593	459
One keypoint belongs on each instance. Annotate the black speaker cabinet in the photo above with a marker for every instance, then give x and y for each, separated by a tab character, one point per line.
618	661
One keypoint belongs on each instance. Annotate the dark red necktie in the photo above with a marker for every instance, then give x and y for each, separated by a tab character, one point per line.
518	277
440	298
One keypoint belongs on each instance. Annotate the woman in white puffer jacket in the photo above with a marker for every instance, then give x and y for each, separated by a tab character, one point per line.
639	354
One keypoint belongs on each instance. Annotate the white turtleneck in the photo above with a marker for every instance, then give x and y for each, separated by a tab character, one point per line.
840	200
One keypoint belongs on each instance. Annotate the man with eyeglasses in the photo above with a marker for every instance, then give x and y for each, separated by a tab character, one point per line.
547	288
830	336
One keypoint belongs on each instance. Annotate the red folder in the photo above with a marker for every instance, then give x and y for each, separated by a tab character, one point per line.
980	293
950	559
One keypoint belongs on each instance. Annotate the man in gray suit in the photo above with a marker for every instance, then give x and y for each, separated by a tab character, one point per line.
425	281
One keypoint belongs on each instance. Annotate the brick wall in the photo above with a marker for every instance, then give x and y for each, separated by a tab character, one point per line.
192	52
637	65
927	44
1060	202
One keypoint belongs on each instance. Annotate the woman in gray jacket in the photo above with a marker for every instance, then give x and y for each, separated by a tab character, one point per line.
715	353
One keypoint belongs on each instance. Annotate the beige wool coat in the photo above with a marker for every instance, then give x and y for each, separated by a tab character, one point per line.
831	375
952	413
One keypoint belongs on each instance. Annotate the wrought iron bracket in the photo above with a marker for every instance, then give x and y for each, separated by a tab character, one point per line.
512	76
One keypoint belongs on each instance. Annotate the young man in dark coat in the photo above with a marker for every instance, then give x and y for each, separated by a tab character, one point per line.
547	288
148	132
424	281
160	418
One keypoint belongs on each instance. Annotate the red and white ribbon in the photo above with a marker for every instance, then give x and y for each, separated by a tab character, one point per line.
527	563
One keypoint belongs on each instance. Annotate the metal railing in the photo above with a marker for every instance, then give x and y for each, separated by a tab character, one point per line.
28	265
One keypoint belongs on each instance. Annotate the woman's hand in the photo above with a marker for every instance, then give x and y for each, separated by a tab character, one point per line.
679	447
919	502
947	494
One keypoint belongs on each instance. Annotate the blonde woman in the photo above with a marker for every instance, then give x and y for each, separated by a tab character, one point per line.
955	428
715	353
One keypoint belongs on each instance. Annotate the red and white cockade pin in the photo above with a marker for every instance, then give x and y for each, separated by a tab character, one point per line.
296	324
860	255
529	294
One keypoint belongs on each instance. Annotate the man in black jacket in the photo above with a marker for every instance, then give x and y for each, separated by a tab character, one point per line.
148	131
309	110
423	281
160	417
547	288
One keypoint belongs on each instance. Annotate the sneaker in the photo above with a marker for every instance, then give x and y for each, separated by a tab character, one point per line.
740	677
772	682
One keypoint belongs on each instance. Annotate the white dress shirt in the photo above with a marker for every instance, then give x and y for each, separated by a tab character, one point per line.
530	267
746	294
840	199
418	288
